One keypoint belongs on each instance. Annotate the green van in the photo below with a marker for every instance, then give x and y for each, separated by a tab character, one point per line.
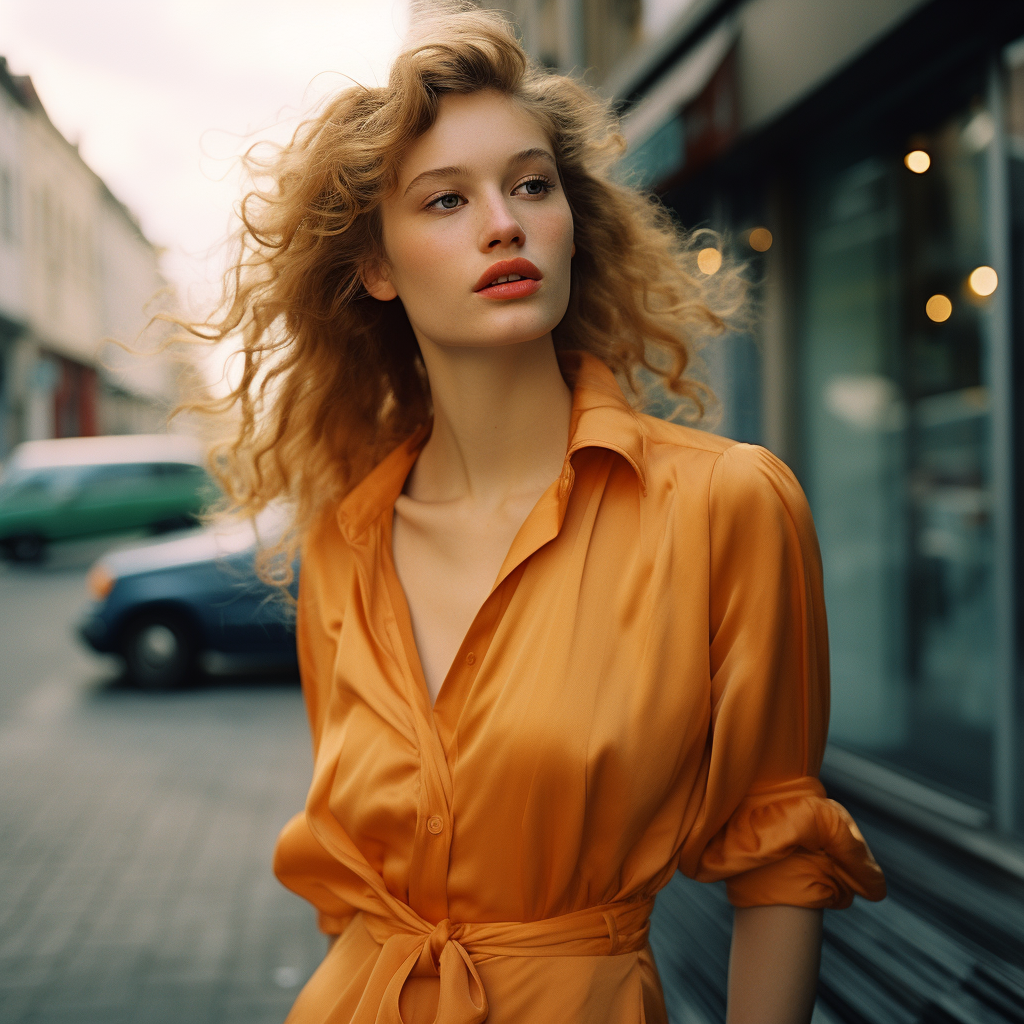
86	486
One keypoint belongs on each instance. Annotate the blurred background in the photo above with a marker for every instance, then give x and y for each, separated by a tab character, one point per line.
865	160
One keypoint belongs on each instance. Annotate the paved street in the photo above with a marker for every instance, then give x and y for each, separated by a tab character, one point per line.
136	831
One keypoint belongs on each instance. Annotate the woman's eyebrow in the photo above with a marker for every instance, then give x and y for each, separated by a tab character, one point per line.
437	172
457	172
533	154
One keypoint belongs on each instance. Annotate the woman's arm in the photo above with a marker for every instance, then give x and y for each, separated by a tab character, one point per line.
773	965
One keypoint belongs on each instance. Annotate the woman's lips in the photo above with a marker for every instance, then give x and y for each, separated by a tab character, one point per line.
529	279
510	289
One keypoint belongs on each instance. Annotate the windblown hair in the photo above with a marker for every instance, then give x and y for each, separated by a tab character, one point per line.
332	379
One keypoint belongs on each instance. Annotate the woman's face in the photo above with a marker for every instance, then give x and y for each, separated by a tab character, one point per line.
478	198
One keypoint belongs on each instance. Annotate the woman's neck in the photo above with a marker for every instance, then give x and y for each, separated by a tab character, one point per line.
501	422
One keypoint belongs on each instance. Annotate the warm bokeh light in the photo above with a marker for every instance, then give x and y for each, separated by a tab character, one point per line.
760	239
709	260
983	281
938	308
918	161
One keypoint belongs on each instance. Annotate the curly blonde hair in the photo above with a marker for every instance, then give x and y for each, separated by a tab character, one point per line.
332	379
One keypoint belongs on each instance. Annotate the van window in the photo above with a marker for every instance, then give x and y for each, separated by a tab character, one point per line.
104	482
118	473
49	481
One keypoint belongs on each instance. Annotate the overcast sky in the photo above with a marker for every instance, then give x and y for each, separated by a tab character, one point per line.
162	95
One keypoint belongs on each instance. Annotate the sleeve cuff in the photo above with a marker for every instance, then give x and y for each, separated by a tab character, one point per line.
803	879
793	846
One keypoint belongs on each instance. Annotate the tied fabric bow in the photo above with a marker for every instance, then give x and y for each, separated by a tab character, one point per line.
411	947
440	955
446	950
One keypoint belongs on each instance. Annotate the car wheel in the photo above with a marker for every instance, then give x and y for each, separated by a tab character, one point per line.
27	548
160	652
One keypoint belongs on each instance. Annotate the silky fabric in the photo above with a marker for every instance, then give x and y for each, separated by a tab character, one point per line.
645	689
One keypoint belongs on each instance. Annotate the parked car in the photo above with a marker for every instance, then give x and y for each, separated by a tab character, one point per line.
174	607
87	486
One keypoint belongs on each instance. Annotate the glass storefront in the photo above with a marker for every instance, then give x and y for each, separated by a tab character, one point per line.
896	311
888	210
892	297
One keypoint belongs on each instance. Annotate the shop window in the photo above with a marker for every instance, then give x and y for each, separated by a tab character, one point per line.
895	380
657	158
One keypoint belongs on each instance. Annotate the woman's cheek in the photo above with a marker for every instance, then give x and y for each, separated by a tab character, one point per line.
555	232
429	266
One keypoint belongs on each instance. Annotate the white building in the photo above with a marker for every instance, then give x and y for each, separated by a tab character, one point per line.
75	272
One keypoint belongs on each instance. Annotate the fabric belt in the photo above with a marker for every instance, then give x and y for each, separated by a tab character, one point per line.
450	951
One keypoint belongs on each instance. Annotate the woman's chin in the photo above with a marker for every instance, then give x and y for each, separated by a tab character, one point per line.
494	336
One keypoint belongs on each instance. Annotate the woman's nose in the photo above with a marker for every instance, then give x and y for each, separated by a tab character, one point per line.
500	227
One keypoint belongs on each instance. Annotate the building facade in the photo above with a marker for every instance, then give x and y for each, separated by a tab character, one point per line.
76	276
874	188
866	162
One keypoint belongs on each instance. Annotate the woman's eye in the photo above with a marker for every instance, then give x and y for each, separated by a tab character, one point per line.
535	187
450	201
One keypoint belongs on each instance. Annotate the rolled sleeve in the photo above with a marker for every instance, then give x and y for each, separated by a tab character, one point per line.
766	826
792	845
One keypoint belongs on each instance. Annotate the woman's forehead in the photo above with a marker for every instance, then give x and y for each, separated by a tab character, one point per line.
474	131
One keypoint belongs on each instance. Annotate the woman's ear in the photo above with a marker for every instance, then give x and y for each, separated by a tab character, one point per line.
377	283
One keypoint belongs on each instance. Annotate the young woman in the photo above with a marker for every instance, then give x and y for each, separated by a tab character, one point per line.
552	649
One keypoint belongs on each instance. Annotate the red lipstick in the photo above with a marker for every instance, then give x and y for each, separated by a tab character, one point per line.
529	279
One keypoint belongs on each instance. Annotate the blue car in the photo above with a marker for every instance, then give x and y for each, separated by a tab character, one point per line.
176	607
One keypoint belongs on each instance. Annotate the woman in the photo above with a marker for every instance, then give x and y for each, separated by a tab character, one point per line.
551	649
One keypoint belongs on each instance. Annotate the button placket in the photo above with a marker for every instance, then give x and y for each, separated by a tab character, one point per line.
428	871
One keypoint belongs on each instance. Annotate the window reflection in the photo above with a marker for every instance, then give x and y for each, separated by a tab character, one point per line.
897	446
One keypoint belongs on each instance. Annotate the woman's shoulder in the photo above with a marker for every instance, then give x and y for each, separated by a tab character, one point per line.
666	439
738	477
671	446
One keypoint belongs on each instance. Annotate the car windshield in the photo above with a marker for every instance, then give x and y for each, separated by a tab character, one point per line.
47	481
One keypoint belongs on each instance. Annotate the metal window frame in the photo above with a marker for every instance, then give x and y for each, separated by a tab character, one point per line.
850	775
1005	782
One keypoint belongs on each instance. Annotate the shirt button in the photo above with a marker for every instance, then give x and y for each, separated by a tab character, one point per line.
471	658
434	824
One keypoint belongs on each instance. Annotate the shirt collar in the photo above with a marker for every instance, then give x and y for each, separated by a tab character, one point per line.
601	418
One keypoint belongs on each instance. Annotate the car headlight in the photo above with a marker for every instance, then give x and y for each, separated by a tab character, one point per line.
99	582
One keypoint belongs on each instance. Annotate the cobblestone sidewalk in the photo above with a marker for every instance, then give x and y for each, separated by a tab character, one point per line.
135	846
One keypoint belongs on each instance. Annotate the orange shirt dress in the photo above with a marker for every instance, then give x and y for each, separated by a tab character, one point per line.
645	689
